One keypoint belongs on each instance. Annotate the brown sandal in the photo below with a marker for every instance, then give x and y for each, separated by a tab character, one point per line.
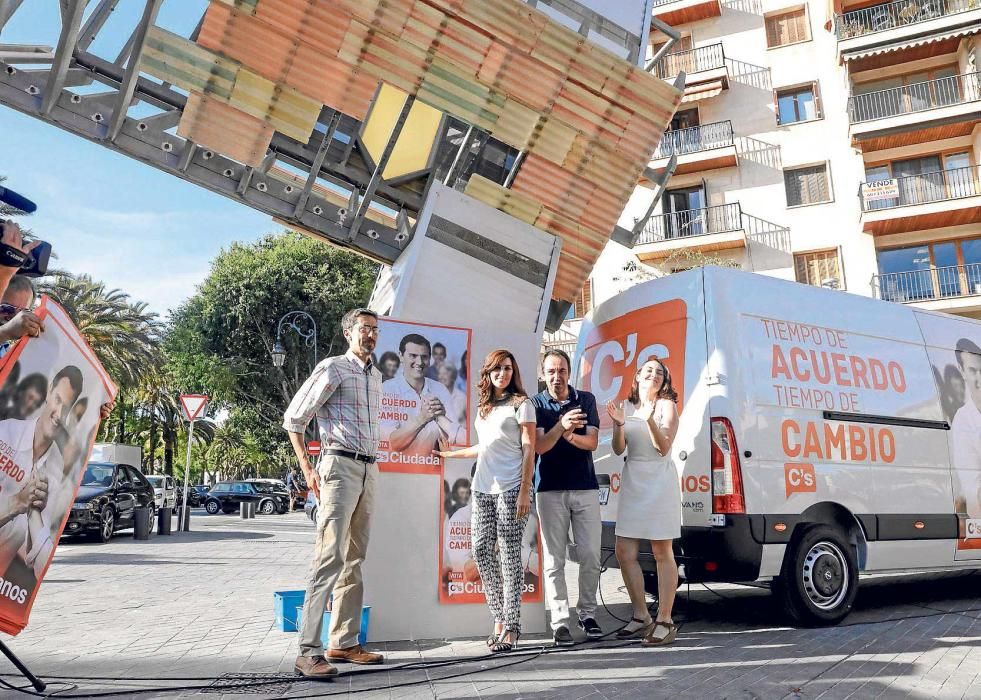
624	633
660	634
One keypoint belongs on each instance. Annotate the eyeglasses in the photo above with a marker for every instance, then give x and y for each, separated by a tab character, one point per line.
368	330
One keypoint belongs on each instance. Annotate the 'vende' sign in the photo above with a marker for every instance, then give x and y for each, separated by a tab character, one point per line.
193	405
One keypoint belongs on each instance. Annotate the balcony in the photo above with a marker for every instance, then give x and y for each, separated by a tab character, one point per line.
704	67
705	230
952	289
902	26
699	148
676	12
919	202
917	113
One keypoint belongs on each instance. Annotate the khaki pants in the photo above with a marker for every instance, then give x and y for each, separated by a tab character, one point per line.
347	494
557	510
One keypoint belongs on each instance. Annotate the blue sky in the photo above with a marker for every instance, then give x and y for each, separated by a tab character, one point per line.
127	224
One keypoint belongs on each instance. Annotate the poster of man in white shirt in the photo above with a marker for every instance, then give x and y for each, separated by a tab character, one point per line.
958	374
416	410
42	455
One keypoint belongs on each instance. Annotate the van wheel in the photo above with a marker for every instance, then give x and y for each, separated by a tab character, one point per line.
819	578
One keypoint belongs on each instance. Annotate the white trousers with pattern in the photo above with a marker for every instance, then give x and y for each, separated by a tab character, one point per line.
496	541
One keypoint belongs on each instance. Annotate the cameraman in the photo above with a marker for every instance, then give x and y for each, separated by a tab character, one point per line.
13	252
16	316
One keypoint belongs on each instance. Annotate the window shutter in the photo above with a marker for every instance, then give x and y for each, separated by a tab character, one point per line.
772	31
776	105
817	99
815	268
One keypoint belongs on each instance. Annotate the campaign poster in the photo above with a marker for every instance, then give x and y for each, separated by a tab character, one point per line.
459	580
51	391
425	393
955	358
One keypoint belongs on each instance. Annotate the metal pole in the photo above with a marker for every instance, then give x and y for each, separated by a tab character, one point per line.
187	478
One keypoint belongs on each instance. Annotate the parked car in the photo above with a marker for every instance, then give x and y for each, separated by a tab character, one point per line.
278	490
279	485
196	495
107	499
164	490
310	506
226	496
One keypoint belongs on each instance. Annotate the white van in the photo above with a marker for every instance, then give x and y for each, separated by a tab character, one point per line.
822	434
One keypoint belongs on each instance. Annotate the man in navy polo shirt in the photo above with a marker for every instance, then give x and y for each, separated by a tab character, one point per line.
568	432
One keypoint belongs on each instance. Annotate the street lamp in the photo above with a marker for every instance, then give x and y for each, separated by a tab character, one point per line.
293	321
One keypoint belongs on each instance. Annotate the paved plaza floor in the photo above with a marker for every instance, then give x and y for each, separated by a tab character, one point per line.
191	615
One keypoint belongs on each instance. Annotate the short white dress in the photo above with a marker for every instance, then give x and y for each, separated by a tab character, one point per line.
649	504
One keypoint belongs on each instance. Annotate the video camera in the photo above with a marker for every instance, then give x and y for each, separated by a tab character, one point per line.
33	263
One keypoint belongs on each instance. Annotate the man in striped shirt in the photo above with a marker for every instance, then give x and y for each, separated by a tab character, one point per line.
344	393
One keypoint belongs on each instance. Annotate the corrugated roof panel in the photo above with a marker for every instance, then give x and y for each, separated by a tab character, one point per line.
588	120
266	51
332	82
226	130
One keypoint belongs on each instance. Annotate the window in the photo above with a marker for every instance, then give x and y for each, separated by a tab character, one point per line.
807	185
930	270
798	104
819	269
584	302
787	28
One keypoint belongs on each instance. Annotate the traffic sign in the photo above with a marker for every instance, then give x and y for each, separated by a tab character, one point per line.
193	405
313	448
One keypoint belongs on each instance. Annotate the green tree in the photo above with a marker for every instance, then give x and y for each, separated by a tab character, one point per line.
219	340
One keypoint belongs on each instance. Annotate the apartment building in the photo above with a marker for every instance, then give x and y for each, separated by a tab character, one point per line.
837	144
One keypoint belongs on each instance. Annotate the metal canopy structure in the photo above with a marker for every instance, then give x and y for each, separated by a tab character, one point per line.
264	101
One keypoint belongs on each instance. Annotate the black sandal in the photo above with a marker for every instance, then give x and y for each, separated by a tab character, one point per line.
493	638
502	647
639	633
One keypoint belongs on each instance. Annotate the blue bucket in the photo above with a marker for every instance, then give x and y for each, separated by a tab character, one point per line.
325	632
285	604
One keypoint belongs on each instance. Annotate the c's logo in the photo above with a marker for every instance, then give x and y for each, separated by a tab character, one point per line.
615	349
799	478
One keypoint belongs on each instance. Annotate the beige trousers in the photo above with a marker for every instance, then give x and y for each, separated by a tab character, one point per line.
347	494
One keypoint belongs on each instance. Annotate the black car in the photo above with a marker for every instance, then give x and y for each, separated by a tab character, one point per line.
196	495
225	497
310	506
107	499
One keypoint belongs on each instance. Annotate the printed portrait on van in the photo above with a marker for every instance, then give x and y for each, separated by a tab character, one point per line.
957	372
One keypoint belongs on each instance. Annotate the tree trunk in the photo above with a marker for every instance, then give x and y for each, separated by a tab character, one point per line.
121	424
169	448
153	436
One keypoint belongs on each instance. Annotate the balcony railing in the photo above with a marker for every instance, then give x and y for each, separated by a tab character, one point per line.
703	137
692	222
663	2
925	188
918	97
691	61
879	18
934	283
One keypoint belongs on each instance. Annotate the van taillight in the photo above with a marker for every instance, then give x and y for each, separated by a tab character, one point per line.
727	477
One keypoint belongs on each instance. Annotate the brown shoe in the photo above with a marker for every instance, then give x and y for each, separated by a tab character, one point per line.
315	667
355	655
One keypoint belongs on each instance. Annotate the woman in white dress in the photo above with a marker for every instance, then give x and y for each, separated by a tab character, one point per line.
650	498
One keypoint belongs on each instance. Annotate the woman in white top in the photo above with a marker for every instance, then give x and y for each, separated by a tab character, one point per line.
501	489
650	498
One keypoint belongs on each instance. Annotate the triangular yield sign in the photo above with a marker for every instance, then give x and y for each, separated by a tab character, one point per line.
193	404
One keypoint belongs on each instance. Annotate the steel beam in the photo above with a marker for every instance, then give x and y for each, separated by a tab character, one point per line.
72	20
318	163
7	10
95	23
128	86
376	176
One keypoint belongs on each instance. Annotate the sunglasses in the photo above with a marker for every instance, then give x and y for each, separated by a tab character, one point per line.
10	310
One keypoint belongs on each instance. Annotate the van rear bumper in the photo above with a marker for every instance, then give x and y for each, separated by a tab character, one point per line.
719	554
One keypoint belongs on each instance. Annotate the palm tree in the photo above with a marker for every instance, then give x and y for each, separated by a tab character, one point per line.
124	335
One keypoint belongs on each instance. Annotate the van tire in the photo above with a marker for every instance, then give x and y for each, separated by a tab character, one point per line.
819	578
